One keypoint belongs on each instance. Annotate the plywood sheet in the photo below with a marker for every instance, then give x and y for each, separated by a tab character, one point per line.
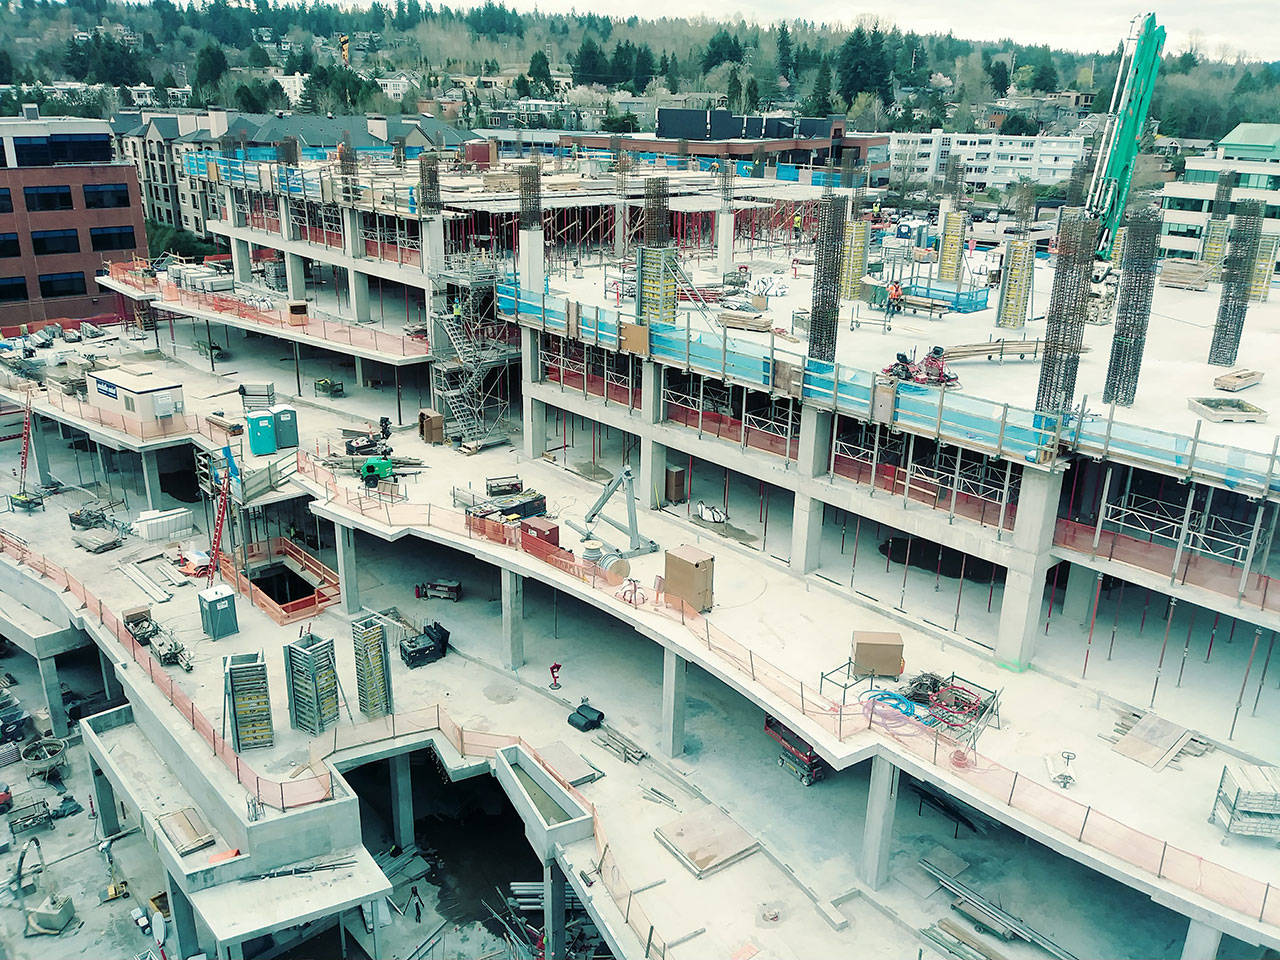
186	831
706	840
565	761
1150	741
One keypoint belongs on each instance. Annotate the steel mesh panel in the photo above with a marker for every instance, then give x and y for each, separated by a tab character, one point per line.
1237	277
657	212
530	197
827	248
1133	310
1068	309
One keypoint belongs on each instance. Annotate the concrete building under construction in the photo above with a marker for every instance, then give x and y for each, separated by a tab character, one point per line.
622	440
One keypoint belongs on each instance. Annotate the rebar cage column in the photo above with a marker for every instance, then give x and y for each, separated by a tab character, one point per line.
1237	277
1133	311
825	306
1068	309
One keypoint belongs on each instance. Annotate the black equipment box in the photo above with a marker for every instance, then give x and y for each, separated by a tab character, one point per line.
428	647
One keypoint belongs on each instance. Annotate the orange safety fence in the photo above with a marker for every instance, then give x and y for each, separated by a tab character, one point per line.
932	744
327	590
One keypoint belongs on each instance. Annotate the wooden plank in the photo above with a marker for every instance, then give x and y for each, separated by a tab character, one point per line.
1173	751
1149	740
949	926
561	758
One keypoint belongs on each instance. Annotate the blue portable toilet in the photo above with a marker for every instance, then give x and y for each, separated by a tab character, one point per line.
262	431
286	424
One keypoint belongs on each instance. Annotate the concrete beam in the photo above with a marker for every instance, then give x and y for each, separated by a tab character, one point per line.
358	287
553	912
675	673
105	797
512	619
401	801
53	696
348	568
181	926
1202	941
151	478
877	832
806	534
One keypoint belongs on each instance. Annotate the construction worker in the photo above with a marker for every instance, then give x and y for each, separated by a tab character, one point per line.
895	297
457	307
797	224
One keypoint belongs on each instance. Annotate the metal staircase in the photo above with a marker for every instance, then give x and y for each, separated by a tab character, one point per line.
460	381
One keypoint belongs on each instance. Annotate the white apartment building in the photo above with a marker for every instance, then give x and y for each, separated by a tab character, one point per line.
293	86
990	159
1252	152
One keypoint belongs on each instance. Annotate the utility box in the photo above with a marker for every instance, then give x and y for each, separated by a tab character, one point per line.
262	431
540	528
285	422
676	485
431	426
883	397
218	612
877	654
690	575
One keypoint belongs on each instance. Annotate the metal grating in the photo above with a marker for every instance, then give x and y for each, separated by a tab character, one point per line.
825	308
311	677
530	197
1068	309
1137	281
657	212
1237	277
429	184
247	701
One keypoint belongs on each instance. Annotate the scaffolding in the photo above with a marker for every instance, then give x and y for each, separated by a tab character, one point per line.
246	701
1264	267
1016	281
477	343
1068	309
1237	278
1137	281
373	667
1215	238
311	678
825	308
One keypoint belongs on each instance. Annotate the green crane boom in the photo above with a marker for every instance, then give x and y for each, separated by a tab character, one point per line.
1109	190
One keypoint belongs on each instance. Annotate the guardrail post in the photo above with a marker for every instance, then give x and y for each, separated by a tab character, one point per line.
1013	786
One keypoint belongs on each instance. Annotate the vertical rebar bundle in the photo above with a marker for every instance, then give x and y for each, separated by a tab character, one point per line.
657	212
397	153
347	168
530	197
846	169
1237	277
1221	205
287	151
953	180
429	184
1133	310
726	184
1068	310
1076	183
827	249
828	179
227	145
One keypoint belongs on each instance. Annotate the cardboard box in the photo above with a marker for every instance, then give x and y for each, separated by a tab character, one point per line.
431	426
676	485
690	575
633	338
877	654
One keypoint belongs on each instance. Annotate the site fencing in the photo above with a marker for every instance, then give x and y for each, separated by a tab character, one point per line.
923	736
327	591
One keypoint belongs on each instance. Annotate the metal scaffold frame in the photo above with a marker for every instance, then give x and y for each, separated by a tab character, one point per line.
1133	312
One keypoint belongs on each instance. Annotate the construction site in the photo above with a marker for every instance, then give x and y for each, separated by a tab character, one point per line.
598	554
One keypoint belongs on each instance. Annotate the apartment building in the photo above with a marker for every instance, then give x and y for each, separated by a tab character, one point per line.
1252	152
66	208
990	159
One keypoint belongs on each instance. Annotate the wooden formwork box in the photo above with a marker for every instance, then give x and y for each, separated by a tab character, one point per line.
690	575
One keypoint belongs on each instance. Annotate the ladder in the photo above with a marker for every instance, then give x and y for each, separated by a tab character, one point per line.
224	495
26	446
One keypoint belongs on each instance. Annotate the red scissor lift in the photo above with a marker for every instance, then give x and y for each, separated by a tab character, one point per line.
797	755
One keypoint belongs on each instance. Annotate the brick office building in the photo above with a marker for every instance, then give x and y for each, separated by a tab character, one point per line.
66	207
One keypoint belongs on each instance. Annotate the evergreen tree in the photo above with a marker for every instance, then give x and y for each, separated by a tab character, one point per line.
540	71
786	59
819	102
998	77
590	65
734	89
644	69
752	95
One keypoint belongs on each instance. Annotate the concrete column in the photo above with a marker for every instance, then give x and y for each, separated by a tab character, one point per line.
531	260
358	287
512	619
806	534
359	371
1202	942
53	695
348	569
40	451
675	672
401	801
1077	599
535	427
530	356
235	951
295	277
352	242
151	478
235	216
724	241
553	911
105	797
652	407
110	684
619	229
653	473
241	261
286	220
815	441
877	832
181	926
433	244
1024	581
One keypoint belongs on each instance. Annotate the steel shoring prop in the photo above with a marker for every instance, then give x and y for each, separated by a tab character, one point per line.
1173	603
1257	635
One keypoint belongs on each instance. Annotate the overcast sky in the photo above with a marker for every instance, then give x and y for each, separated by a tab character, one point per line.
1218	26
